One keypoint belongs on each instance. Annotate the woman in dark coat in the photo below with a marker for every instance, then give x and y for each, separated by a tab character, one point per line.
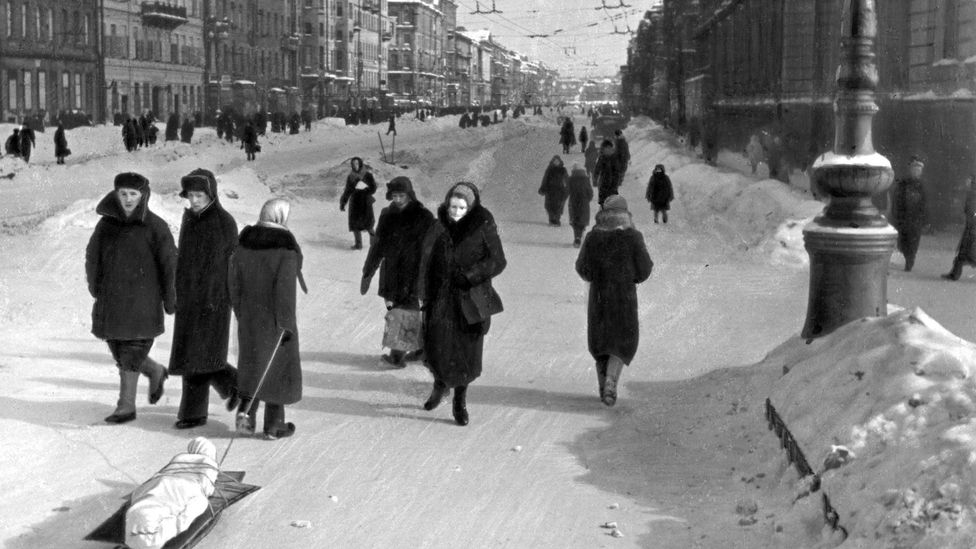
358	195
583	138
613	260
966	252
567	135
249	141
186	131
60	144
396	252
554	189
130	265
261	280
580	196
173	127
462	255
659	193
201	329
606	173
908	211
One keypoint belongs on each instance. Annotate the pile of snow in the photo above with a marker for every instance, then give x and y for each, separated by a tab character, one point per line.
897	395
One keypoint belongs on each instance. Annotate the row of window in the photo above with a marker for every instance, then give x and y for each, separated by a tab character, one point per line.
40	24
161	100
29	90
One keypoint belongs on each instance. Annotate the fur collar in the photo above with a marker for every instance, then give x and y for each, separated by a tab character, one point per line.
257	237
476	218
110	207
610	220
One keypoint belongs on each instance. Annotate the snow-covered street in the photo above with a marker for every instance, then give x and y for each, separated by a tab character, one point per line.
683	460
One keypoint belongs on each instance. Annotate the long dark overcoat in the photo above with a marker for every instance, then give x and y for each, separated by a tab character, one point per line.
567	134
249	139
553	187
130	263
262	283
613	259
359	201
606	176
659	193
202	325
453	348
590	156
396	252
908	212
60	143
967	244
580	196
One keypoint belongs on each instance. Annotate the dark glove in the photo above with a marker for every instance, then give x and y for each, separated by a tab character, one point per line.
342	208
286	337
460	281
169	307
364	284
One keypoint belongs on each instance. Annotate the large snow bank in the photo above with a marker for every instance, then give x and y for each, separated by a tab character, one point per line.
899	394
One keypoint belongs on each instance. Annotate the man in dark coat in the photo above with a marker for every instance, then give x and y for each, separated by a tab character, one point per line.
606	173
61	149
249	141
966	251
173	127
580	196
186	131
567	135
208	235
908	211
262	284
590	156
358	195
396	252
553	187
392	127
659	193
463	253
130	263
622	152
613	260
583	138
12	146
27	142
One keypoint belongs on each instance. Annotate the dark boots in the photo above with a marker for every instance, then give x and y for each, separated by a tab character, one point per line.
157	374
460	408
125	409
601	375
956	271
436	395
615	367
395	358
359	240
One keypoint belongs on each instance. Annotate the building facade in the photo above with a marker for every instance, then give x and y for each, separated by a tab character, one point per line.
49	56
417	57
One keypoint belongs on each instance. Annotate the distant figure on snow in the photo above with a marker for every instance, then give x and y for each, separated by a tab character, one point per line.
583	138
590	156
966	251
186	131
554	189
130	265
61	149
358	195
12	146
567	135
580	196
754	152
622	152
27	142
613	259
908	211
392	127
396	252
659	192
606	174
249	141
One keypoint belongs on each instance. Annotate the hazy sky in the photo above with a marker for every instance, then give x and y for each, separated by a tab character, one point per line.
581	39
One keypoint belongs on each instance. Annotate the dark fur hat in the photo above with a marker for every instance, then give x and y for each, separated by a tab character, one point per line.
131	180
199	180
400	184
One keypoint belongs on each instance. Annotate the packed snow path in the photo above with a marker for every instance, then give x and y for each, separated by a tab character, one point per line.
543	463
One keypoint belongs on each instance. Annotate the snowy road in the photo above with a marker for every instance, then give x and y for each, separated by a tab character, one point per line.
543	463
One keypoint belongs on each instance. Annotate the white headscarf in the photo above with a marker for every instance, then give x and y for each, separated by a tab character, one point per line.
274	213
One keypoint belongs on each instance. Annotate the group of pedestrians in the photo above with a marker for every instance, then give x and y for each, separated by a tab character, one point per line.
21	142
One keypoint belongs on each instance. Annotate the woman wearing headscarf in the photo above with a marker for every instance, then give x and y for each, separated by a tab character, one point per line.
358	195
130	263
261	280
463	253
659	193
208	235
614	260
580	196
554	189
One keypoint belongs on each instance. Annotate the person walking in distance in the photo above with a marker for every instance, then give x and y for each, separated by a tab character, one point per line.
130	265
201	329
590	157
622	152
659	193
583	138
613	259
358	195
908	211
261	281
27	142
606	174
249	141
396	253
61	149
567	135
580	196
966	251
392	127
463	253
553	188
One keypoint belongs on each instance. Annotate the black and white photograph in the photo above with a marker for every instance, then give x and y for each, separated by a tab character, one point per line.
440	274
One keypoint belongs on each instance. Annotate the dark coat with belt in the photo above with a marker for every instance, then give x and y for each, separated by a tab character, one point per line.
202	325
130	263
967	244
396	252
580	196
359	201
613	259
659	193
263	291
553	187
469	248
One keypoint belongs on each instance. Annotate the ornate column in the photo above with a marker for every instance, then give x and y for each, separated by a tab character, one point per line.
850	243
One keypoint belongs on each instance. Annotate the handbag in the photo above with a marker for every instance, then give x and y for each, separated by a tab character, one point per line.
479	303
404	329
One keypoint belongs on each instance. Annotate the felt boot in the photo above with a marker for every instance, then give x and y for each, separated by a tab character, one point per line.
460	406
436	395
125	409
157	374
614	368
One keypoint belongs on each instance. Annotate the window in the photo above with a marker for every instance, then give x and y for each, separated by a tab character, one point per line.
64	26
28	91
37	23
23	19
12	91
42	90
76	30
65	89
950	40
77	90
87	28
10	19
50	25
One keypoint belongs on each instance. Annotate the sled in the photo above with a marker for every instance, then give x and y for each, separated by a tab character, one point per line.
228	490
